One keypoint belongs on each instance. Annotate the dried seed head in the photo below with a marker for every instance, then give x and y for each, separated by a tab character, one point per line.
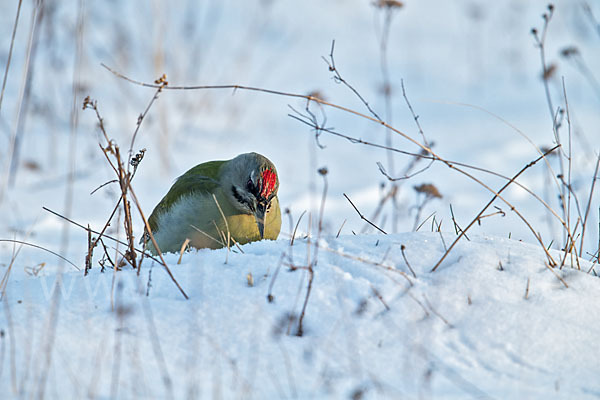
88	103
162	80
391	4
549	72
135	160
429	190
323	171
317	95
569	51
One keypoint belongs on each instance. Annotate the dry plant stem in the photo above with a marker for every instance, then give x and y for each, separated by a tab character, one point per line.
226	227
373	263
387	91
589	203
590	14
402	248
90	253
25	101
12	153
452	164
540	42
11	337
559	185
49	336
41	248
10	51
340	230
99	238
313	263
296	228
457	227
182	250
103	185
270	297
377	294
425	220
571	250
436	313
220	242
338	79
147	225
497	195
389	195
124	182
141	119
415	116
97	233
363	217
73	123
569	187
433	155
156	348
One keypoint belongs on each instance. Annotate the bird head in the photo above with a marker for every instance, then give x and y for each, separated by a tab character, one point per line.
251	182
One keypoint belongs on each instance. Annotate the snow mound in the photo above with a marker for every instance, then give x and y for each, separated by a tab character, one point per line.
491	322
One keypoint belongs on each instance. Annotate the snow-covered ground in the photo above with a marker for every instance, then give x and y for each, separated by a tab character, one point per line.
492	321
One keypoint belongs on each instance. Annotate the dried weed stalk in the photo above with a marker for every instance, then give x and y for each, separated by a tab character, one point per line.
124	176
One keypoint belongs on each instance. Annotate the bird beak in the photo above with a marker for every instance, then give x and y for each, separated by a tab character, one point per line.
260	218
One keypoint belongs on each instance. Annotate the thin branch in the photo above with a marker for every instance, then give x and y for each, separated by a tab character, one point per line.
497	195
337	77
363	217
402	248
587	209
41	248
142	116
10	51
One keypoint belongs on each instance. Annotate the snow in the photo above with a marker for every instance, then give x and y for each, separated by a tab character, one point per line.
493	321
468	329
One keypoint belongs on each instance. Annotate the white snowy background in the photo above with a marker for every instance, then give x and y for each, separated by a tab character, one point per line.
492	322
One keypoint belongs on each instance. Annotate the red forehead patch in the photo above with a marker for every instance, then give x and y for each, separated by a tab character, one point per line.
269	180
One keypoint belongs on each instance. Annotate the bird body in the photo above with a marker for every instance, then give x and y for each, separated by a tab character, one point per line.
215	200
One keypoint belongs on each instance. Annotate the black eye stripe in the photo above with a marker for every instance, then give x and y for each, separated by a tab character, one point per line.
237	196
241	199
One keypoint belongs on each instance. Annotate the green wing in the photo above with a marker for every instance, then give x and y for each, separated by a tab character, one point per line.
201	178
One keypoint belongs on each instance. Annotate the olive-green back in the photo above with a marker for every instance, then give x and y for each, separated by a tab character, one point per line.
201	178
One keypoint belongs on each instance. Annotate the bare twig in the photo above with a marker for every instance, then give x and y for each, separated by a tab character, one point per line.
435	312
337	77
10	51
40	248
590	14
228	238
402	248
363	217
587	209
497	195
182	250
312	263
296	228
340	230
163	83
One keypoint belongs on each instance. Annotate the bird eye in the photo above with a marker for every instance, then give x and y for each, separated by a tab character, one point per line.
249	185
